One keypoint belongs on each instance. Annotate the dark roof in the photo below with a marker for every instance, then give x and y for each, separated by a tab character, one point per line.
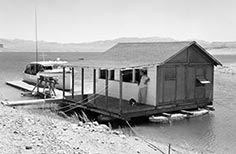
125	55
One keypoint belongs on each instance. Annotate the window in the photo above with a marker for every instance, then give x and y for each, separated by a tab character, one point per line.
112	74
102	74
137	76
127	75
201	81
170	74
200	78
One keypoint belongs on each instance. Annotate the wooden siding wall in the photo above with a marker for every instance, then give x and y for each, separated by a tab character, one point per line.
187	65
209	72
130	90
184	88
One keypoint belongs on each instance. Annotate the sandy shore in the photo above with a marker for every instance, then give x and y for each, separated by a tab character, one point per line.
22	132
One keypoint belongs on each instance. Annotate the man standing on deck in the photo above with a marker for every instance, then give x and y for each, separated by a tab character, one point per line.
142	93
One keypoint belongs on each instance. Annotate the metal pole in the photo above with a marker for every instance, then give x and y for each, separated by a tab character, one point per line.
106	86
64	76
169	148
120	101
82	83
94	84
73	82
37	85
36	41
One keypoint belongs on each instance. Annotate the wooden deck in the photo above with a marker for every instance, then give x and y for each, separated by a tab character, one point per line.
127	111
111	108
100	105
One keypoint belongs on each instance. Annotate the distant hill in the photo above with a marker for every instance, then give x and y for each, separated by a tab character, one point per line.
18	45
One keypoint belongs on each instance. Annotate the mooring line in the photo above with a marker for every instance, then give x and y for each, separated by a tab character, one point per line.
79	102
150	144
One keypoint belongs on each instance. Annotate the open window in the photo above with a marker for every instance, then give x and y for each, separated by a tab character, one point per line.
200	77
201	81
127	75
102	74
111	74
137	76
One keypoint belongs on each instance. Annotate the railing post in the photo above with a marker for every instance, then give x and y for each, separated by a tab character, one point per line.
73	82
106	88
64	76
169	148
133	75
38	85
121	91
82	83
94	84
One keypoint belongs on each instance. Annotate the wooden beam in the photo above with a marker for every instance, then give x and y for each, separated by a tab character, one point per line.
82	83
212	88
121	91
64	82
188	60
73	82
106	88
94	84
176	79
157	92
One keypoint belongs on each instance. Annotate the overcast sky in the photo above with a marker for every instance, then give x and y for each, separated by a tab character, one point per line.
91	20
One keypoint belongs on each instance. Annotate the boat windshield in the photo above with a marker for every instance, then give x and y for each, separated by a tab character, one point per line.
33	69
57	66
47	67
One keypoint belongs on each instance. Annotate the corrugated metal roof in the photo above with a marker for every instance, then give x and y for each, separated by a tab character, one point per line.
125	55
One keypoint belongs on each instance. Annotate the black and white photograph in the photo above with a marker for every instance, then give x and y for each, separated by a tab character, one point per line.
117	76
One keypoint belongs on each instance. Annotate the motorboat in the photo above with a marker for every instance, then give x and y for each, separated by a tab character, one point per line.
53	69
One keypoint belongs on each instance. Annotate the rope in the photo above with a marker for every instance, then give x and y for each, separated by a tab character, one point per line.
149	144
79	102
96	96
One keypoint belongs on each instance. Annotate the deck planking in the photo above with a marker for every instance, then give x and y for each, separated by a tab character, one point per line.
111	108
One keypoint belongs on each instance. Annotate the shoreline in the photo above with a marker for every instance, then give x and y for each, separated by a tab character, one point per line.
27	132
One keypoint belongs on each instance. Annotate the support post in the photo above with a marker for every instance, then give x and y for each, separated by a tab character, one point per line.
64	79
38	85
121	91
73	82
133	75
106	86
169	148
82	83
94	84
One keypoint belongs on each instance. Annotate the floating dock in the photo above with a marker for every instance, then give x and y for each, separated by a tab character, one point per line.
28	87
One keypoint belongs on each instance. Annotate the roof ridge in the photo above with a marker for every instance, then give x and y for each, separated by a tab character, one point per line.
157	42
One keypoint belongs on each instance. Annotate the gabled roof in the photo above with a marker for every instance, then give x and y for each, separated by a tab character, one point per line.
125	55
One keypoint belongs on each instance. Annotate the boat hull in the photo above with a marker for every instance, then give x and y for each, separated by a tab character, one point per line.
32	79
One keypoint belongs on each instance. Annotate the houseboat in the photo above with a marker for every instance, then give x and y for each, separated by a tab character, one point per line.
181	77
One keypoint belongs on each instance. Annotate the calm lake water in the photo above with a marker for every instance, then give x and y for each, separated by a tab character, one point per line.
212	133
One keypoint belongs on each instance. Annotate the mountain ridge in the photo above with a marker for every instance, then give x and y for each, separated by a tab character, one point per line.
20	45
